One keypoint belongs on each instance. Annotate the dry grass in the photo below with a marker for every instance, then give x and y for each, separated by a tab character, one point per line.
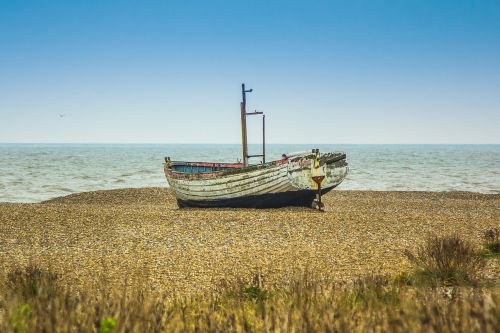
446	261
374	303
127	253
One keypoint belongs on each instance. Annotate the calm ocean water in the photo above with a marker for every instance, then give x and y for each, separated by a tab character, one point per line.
35	172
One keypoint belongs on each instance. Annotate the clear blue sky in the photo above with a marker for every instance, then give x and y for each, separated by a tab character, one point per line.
406	71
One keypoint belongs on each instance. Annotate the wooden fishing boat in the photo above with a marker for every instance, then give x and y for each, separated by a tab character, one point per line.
298	179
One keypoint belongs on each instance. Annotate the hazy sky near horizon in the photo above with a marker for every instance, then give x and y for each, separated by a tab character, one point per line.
405	71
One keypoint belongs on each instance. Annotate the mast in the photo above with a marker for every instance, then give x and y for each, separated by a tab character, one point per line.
263	138
243	107
244	114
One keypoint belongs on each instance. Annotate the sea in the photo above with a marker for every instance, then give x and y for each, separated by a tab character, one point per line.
37	172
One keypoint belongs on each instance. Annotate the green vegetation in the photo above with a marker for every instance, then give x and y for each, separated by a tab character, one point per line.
108	325
492	243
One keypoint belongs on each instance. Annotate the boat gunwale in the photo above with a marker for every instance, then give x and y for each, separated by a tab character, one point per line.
218	173
237	168
207	164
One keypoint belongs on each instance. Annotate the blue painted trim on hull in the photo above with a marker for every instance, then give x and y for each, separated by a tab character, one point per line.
302	198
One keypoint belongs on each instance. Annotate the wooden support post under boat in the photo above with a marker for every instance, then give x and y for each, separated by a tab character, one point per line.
318	180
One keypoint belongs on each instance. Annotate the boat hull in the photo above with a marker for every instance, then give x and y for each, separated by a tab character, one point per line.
286	182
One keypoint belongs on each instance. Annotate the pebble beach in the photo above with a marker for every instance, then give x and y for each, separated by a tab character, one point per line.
140	236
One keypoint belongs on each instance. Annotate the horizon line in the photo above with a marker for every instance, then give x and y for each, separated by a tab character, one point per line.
230	143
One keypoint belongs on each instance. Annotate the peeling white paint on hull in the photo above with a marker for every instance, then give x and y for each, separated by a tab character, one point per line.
286	182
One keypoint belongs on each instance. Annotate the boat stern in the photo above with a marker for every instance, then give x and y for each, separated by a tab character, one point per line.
311	170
